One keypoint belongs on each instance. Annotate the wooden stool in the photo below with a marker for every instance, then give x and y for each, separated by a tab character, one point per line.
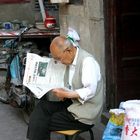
73	134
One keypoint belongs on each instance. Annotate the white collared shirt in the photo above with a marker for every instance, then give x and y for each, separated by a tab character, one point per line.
90	77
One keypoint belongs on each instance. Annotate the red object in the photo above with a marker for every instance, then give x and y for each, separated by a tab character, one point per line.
50	22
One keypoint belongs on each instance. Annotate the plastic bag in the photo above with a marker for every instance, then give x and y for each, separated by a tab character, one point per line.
131	128
114	126
15	71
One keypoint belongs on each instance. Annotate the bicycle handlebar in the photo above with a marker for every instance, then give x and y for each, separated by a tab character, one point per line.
18	39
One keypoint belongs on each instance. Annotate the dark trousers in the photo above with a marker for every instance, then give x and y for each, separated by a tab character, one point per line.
50	116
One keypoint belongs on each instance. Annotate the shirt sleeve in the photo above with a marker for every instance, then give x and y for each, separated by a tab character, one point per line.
90	77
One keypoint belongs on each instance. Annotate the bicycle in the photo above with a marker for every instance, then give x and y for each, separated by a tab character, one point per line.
16	94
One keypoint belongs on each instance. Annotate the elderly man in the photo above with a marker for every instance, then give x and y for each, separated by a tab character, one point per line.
81	105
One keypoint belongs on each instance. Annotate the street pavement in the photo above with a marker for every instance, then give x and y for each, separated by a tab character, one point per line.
13	126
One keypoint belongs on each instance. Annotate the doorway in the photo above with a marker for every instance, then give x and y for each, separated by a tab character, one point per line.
122	31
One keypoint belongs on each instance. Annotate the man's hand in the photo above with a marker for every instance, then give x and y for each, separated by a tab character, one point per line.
60	93
63	93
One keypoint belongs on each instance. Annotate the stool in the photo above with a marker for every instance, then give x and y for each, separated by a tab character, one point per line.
73	134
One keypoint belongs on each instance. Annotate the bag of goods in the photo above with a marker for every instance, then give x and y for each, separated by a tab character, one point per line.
131	128
114	126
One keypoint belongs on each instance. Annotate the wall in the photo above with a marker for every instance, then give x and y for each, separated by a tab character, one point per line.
22	11
88	20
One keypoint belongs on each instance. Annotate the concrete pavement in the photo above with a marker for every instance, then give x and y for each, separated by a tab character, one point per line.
13	126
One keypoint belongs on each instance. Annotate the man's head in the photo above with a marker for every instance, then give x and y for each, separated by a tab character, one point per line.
62	50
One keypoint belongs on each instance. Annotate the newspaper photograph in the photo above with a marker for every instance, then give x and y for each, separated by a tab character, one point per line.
43	74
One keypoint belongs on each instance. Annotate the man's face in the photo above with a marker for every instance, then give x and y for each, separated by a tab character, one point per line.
64	56
61	52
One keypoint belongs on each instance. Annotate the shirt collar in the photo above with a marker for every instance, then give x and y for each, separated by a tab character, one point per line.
76	56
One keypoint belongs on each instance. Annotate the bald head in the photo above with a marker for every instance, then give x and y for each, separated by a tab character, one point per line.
57	46
61	42
61	49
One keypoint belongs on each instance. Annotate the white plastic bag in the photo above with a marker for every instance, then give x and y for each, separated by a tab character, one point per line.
131	128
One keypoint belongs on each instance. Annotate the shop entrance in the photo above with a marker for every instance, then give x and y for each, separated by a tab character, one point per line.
122	25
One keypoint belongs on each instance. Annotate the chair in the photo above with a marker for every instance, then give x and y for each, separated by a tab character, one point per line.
73	134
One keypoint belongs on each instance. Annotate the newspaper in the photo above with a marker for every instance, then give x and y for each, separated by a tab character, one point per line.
43	74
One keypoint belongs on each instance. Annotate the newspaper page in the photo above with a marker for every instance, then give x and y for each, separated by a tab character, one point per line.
43	74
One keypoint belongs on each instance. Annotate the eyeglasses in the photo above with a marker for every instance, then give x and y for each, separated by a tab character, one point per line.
60	57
